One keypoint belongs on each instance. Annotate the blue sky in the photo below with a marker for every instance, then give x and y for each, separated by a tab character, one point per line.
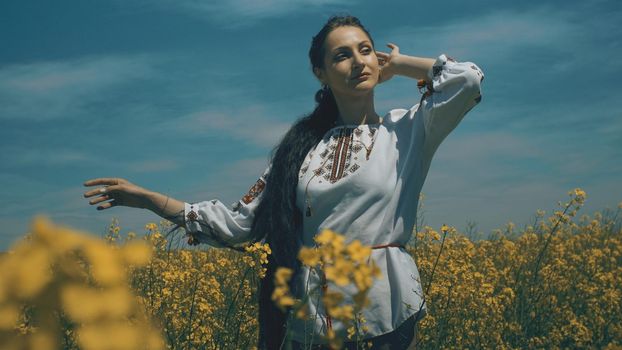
188	97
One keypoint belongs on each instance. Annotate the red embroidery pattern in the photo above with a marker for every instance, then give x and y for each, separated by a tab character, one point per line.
192	216
342	155
254	191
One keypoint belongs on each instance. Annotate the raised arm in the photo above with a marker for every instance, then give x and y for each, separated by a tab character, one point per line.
396	63
454	88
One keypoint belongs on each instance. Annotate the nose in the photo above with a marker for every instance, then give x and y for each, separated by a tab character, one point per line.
358	59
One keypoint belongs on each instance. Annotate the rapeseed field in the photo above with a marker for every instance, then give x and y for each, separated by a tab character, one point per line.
554	284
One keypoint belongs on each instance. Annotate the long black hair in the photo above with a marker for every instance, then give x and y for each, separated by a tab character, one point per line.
277	219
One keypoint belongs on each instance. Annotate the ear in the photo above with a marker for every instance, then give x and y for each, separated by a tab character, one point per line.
319	74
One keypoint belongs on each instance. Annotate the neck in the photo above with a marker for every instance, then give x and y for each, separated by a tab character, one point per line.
357	110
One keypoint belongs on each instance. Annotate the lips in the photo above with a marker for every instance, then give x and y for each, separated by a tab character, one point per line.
362	76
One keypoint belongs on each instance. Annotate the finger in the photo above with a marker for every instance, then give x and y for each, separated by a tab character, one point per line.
110	189
97	191
102	181
109	205
383	58
94	192
101	190
102	198
394	47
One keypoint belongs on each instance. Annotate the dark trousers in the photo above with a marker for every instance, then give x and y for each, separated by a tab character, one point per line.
399	339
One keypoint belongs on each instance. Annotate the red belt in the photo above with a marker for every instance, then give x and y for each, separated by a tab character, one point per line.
396	245
329	321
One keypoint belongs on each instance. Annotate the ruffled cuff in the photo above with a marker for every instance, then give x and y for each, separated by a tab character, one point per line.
437	66
444	62
191	218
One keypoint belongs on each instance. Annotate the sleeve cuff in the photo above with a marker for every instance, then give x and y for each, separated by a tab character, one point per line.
191	218
443	61
437	66
198	229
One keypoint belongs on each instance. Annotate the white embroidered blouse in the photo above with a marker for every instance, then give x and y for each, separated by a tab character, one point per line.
362	181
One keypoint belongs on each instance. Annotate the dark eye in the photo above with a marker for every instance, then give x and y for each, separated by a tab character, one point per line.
340	56
367	49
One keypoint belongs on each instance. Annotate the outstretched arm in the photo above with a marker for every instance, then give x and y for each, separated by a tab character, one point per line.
168	208
120	192
209	221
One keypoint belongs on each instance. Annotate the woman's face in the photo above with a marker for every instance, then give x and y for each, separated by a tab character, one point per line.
348	54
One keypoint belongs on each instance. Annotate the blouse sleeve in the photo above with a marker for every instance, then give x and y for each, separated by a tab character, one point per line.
214	223
455	90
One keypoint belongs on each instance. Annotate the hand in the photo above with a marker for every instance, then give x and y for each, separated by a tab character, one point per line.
120	191
387	62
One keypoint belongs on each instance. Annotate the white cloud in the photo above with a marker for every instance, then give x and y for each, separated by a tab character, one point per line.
44	156
155	165
242	13
58	89
248	123
490	145
497	176
494	35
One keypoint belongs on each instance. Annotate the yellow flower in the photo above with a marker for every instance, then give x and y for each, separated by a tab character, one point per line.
105	266
43	340
331	299
69	279
9	315
351	332
435	236
31	275
358	252
342	312
579	192
360	299
137	253
339	272
302	312
325	237
364	275
109	336
282	275
282	298
151	227
309	256
281	295
85	304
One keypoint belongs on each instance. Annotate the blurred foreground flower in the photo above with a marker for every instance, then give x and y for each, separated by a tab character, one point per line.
60	288
341	264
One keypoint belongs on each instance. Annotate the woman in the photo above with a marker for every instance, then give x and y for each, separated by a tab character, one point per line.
342	167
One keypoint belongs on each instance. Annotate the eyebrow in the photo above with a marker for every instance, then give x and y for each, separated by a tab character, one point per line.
345	47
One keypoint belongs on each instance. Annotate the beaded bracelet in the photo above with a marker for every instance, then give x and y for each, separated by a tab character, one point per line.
165	204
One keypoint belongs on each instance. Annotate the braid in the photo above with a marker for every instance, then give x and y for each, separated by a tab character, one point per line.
277	218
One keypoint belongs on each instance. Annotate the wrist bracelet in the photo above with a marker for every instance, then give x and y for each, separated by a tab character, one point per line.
165	204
